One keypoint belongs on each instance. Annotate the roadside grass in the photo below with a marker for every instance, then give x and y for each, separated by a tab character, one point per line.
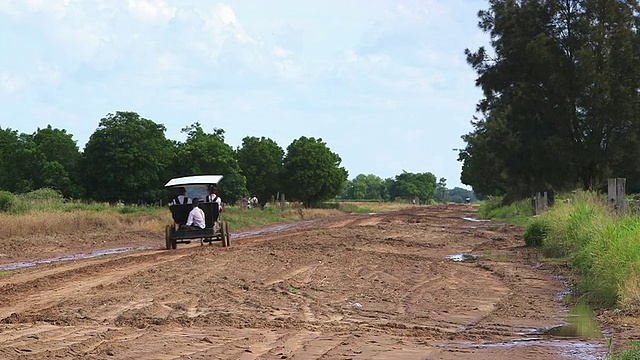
517	213
363	206
601	248
633	353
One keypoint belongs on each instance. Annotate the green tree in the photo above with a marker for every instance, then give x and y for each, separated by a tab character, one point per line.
204	153
61	161
560	103
20	162
260	160
365	187
126	159
311	172
9	145
441	190
357	188
409	185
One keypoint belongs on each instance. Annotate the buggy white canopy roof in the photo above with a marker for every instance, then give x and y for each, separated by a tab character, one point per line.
194	180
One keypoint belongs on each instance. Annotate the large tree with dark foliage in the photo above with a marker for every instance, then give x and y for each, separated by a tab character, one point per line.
21	163
260	160
207	153
60	163
126	159
561	104
312	172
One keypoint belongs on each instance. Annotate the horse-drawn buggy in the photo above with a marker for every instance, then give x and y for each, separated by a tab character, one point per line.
195	187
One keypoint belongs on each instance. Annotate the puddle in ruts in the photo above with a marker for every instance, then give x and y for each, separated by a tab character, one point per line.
463	257
93	254
578	339
474	219
580	325
571	349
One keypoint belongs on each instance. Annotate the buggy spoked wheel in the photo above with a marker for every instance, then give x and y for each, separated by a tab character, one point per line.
227	234
167	237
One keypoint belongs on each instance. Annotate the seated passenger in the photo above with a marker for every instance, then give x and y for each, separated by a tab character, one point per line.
182	198
213	197
195	221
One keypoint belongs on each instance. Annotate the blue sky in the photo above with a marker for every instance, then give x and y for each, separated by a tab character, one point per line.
383	82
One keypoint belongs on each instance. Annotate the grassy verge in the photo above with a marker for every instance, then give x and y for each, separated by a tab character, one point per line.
601	248
632	353
517	213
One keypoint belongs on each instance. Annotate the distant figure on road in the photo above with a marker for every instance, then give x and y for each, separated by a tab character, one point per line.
244	203
468	200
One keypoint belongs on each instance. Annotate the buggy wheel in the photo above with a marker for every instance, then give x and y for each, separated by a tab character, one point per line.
167	236
223	233
227	233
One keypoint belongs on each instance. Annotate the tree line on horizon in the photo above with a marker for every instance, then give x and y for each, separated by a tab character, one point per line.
128	158
561	105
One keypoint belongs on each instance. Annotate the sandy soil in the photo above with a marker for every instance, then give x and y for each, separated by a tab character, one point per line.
376	286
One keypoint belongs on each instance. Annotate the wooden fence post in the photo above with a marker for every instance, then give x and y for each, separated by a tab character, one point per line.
616	200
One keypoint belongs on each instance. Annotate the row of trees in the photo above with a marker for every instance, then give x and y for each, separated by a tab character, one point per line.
128	158
404	186
561	106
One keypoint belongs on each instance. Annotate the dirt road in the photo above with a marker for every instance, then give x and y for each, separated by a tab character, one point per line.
376	286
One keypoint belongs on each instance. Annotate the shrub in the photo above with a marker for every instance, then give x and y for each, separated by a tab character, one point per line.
535	233
43	194
6	200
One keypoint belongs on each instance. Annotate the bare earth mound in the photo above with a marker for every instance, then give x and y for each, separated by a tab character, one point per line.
376	286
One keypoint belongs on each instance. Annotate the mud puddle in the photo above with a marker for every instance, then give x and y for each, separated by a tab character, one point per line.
472	219
93	254
571	349
463	257
580	324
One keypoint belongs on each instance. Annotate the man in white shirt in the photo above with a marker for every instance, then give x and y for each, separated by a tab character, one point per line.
195	221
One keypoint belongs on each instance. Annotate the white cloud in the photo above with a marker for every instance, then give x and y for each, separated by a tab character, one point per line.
50	73
146	10
228	18
11	84
281	52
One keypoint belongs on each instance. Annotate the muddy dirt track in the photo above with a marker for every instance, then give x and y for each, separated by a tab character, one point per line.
374	286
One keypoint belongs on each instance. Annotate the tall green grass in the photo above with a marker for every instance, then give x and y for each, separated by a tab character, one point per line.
602	248
518	213
632	353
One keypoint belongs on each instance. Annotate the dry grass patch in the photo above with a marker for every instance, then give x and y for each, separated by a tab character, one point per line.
60	222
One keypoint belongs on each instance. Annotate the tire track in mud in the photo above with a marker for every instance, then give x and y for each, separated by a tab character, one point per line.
53	286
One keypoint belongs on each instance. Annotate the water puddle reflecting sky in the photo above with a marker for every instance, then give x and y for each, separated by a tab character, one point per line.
93	254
